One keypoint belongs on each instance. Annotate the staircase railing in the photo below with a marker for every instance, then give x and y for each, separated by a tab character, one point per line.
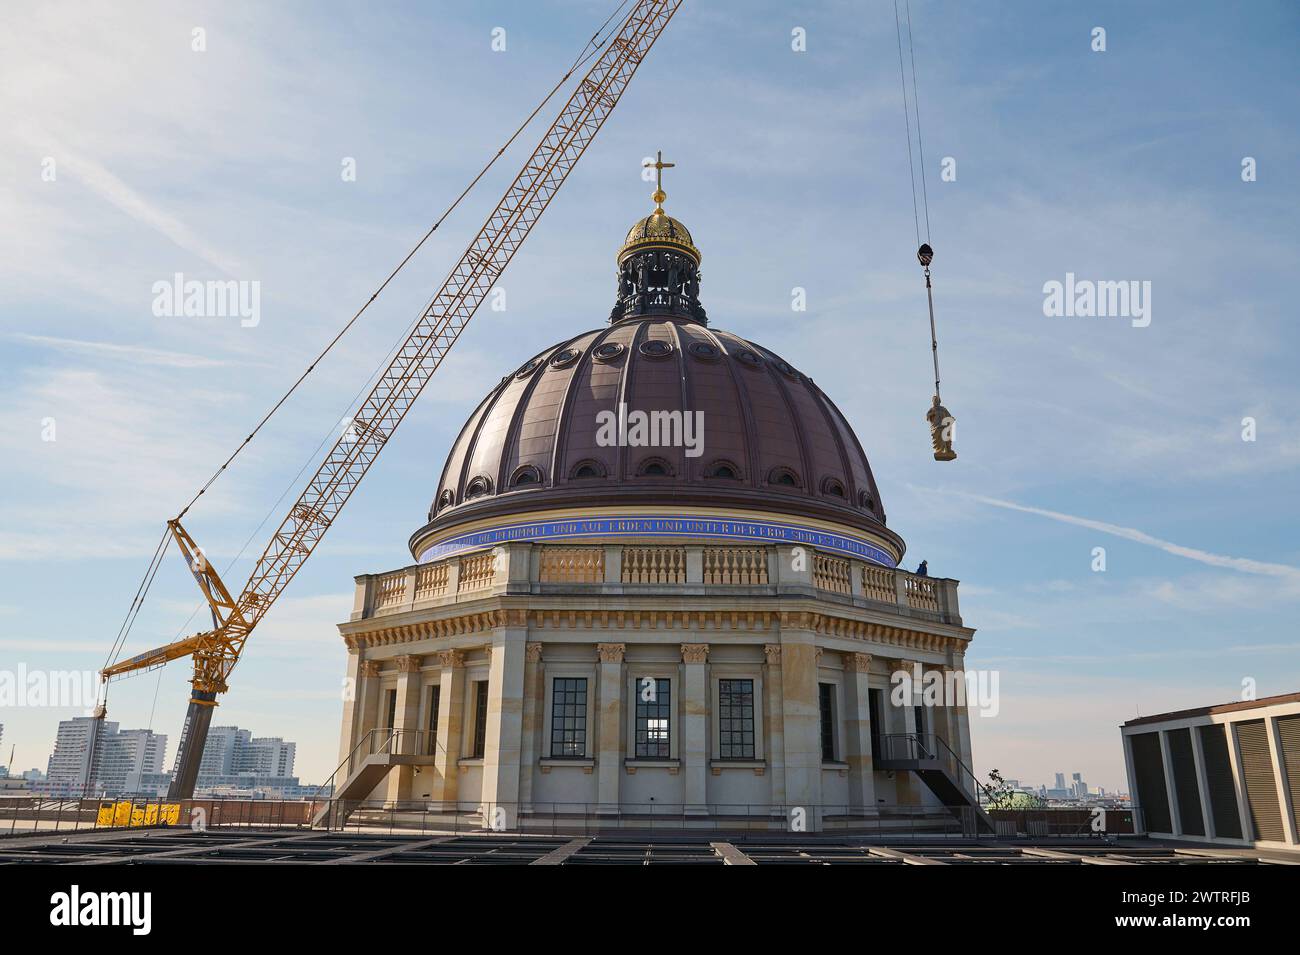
931	746
377	741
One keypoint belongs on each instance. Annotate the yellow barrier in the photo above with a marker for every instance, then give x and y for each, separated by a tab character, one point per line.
128	814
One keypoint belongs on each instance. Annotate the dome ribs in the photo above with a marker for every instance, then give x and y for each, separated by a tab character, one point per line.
760	418
529	413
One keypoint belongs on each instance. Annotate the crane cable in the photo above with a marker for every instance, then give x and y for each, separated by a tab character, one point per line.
938	416
590	49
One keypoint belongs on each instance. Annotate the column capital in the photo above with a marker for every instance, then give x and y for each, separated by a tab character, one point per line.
533	652
408	663
773	653
611	652
451	658
369	668
857	662
695	653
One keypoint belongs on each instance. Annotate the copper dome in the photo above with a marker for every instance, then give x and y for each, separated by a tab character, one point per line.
770	441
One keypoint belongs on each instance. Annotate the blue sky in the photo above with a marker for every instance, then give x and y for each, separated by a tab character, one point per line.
1073	433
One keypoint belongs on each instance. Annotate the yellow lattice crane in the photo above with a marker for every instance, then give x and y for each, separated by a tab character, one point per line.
215	652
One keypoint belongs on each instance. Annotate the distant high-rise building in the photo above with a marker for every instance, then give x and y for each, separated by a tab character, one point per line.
236	761
114	765
1060	781
1078	785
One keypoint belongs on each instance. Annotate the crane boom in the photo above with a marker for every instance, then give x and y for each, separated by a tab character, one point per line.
215	652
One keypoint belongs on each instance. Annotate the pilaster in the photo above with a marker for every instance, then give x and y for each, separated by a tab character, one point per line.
609	722
695	726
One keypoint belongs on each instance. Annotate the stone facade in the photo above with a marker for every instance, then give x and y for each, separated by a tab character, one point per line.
528	678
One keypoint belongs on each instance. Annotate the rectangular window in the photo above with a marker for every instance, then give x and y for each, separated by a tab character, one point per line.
391	720
736	719
653	718
569	717
826	703
435	700
877	721
480	718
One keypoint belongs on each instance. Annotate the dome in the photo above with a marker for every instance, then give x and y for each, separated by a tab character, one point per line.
658	229
658	414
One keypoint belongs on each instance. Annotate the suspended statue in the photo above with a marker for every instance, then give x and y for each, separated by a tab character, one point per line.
941	421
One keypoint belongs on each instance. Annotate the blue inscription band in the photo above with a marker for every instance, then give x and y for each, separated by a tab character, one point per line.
633	526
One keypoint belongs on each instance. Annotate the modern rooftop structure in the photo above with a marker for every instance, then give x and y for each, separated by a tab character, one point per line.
1227	774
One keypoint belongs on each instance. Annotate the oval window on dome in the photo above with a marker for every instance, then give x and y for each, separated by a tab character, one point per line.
748	358
477	487
587	470
722	471
783	477
832	487
656	349
565	358
526	475
867	501
446	499
703	351
608	351
784	368
654	467
528	369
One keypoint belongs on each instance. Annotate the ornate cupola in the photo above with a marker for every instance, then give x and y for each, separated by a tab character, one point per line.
658	265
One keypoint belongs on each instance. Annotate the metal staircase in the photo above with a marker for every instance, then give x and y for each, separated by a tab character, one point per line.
941	769
367	765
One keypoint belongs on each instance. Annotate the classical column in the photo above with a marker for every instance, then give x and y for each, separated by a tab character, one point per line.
695	726
801	715
907	792
368	701
962	714
351	689
451	709
772	717
609	720
406	721
505	719
534	714
857	730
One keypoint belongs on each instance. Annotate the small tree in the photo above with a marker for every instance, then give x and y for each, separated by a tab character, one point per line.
1001	796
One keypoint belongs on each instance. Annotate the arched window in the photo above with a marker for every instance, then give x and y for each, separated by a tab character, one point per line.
867	501
832	487
528	474
446	499
783	477
722	471
654	467
477	487
587	470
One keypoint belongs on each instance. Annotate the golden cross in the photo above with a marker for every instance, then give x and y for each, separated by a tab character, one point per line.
659	167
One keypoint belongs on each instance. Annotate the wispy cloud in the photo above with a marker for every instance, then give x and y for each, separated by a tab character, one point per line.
145	211
135	353
1243	564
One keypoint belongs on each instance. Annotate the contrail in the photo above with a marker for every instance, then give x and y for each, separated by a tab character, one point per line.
1243	564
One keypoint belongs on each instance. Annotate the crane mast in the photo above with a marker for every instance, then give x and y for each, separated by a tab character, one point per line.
215	652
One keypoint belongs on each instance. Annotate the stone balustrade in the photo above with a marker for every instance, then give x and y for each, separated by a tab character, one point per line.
749	571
